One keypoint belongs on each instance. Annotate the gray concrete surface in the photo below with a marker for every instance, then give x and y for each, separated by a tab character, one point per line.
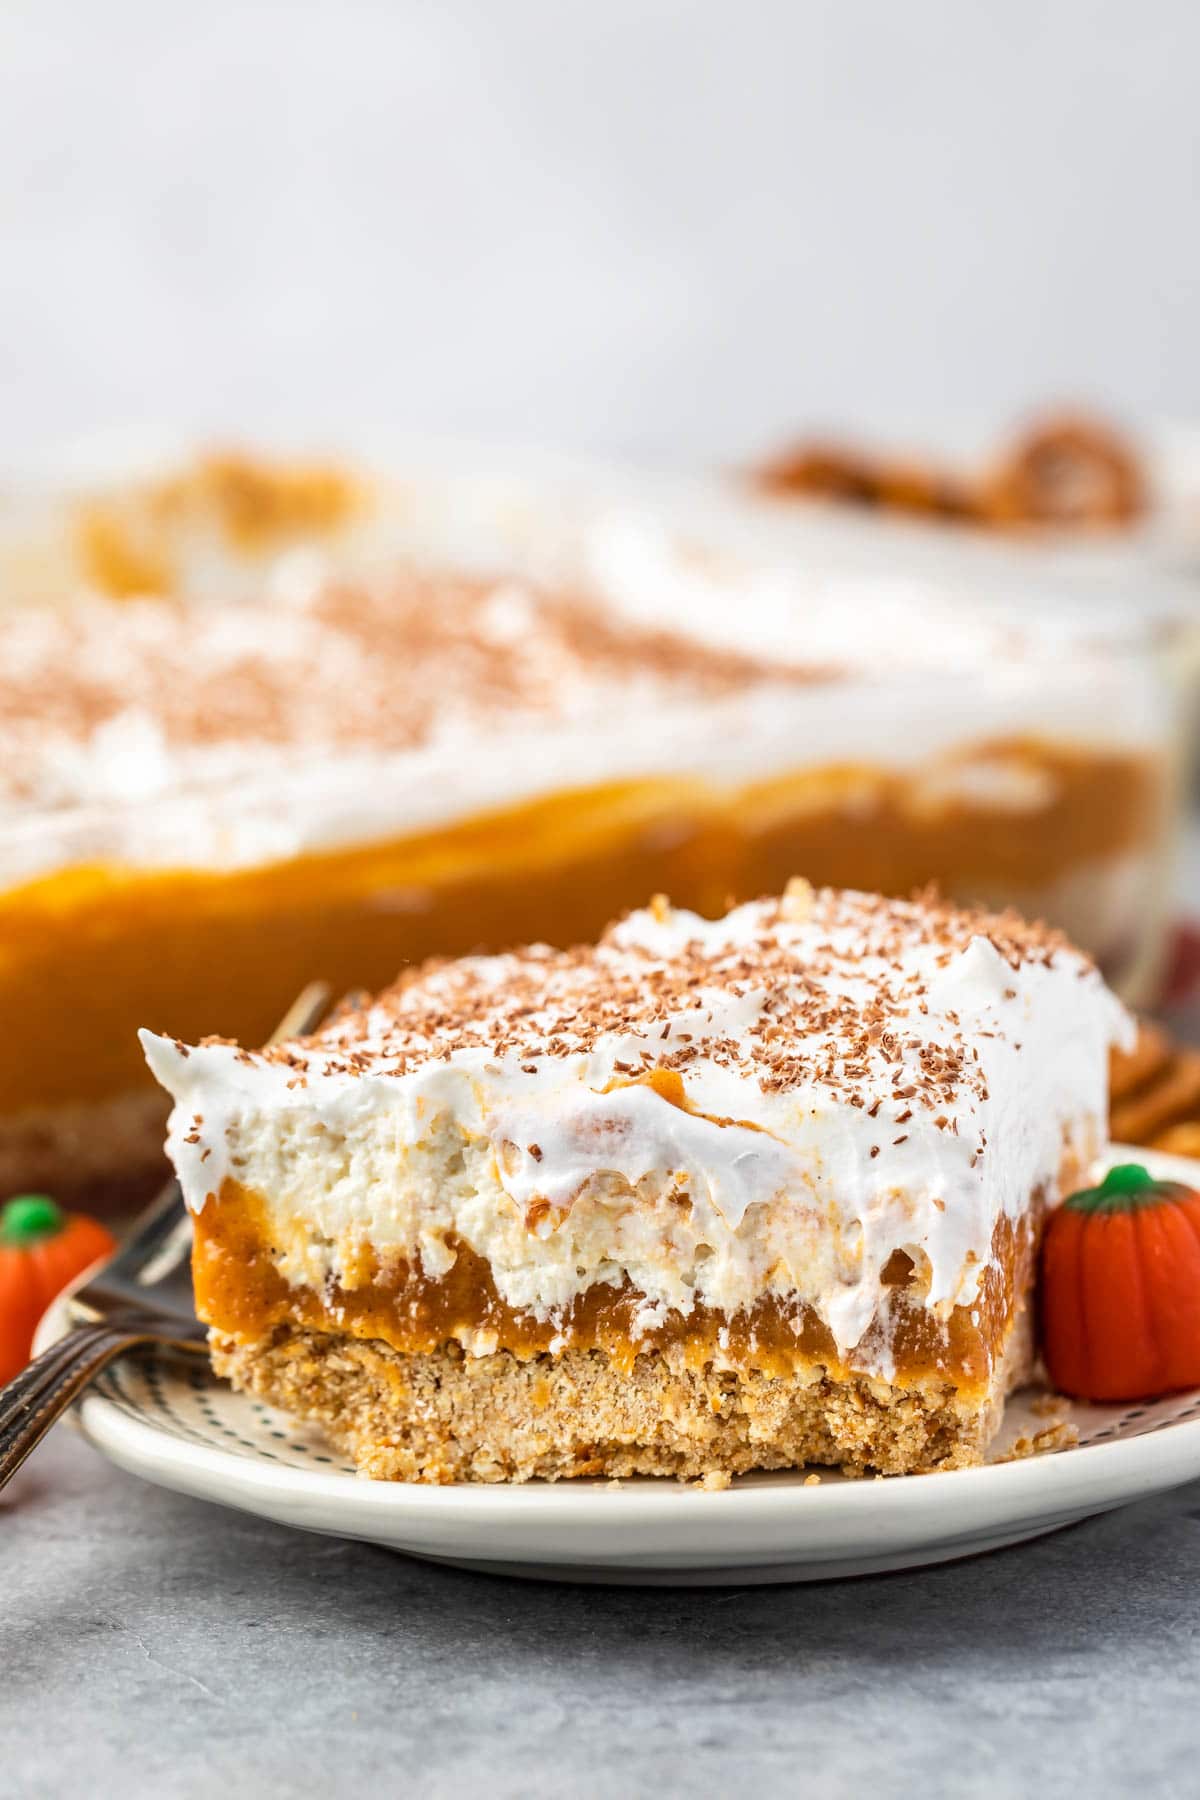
155	1646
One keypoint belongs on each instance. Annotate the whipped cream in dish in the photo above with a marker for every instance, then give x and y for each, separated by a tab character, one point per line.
185	733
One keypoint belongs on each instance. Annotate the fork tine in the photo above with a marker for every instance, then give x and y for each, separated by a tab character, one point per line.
24	1388
24	1427
304	1014
153	1225
62	1373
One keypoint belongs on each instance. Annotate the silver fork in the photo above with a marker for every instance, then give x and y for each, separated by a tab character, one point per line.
140	1297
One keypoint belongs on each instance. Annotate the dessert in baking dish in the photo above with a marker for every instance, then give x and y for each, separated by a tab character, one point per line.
204	805
709	1196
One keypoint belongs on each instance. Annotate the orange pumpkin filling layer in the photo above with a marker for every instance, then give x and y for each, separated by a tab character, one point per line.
241	1294
89	954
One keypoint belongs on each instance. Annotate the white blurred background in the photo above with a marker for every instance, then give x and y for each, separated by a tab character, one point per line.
676	230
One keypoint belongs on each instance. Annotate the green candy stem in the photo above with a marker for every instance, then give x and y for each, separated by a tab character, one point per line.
1124	1188
29	1218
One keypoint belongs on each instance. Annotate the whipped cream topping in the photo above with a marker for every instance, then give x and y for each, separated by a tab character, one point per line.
773	1102
183	733
199	733
121	700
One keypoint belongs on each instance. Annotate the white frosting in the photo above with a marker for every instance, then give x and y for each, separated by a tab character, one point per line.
924	680
803	1187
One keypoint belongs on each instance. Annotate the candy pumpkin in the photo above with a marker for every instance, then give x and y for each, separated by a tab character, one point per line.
42	1249
1121	1289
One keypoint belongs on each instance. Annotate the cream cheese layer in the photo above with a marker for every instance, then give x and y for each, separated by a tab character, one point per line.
769	1103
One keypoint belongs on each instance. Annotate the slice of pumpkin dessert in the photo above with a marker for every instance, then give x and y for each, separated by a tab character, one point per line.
707	1196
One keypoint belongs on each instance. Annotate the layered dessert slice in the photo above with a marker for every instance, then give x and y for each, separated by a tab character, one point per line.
205	804
707	1196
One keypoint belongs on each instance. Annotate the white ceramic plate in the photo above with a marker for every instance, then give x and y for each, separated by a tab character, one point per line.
183	1429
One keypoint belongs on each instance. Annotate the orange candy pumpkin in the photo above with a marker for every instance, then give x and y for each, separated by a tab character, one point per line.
42	1249
1121	1289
